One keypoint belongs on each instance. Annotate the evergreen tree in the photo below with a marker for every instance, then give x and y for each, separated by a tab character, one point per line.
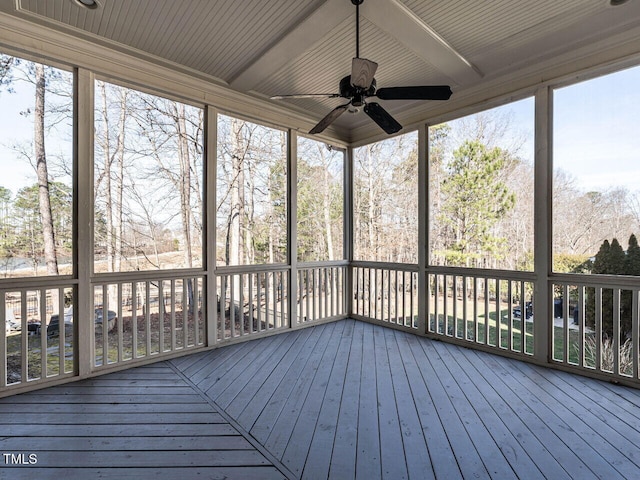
631	267
615	266
612	260
632	260
28	240
600	262
616	261
600	265
475	199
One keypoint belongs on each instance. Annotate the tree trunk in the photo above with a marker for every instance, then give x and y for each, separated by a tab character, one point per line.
326	204
119	180
372	224
185	185
236	207
44	199
107	181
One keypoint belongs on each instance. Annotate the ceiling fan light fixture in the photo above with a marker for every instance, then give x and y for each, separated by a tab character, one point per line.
90	4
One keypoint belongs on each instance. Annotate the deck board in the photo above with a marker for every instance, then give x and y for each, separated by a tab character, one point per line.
323	438
150	473
339	400
464	451
285	424
392	448
529	453
502	439
304	430
413	439
368	463
614	448
438	451
550	421
343	456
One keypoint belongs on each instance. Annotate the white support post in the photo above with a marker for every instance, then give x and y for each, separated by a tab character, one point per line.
210	167
423	226
292	221
348	230
543	241
83	226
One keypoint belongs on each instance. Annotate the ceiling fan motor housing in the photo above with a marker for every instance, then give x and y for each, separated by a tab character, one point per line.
347	90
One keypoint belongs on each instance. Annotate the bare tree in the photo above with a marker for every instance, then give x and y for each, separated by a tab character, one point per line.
46	217
111	178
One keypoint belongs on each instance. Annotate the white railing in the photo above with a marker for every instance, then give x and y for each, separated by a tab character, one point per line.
320	292
251	300
596	325
593	320
141	318
489	308
35	346
386	293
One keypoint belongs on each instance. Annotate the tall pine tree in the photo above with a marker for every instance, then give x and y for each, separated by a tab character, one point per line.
475	198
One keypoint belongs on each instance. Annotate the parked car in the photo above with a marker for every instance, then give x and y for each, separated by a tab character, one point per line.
528	308
53	329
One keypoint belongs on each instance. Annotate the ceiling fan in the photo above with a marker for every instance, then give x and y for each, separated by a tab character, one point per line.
361	85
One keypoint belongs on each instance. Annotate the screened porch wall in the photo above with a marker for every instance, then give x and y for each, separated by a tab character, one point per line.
195	307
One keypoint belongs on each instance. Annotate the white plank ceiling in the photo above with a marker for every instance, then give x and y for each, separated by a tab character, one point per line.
274	47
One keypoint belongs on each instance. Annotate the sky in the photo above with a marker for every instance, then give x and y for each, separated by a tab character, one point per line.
16	130
597	131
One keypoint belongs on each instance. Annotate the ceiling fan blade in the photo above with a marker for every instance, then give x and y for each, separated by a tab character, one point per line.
305	95
382	118
429	92
329	119
362	72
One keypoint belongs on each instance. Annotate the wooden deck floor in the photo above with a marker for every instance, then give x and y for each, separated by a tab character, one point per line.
143	423
341	400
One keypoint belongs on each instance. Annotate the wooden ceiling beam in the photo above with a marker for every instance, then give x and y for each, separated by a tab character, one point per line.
293	44
398	21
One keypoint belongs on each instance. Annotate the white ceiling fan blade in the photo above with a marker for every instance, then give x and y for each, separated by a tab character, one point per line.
362	72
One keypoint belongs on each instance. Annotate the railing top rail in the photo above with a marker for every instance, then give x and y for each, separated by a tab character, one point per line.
595	280
117	277
321	264
483	273
231	269
407	267
36	283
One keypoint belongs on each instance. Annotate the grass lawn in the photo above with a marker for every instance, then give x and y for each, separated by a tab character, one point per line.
491	337
34	356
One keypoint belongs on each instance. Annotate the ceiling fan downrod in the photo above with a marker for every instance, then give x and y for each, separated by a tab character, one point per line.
357	3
